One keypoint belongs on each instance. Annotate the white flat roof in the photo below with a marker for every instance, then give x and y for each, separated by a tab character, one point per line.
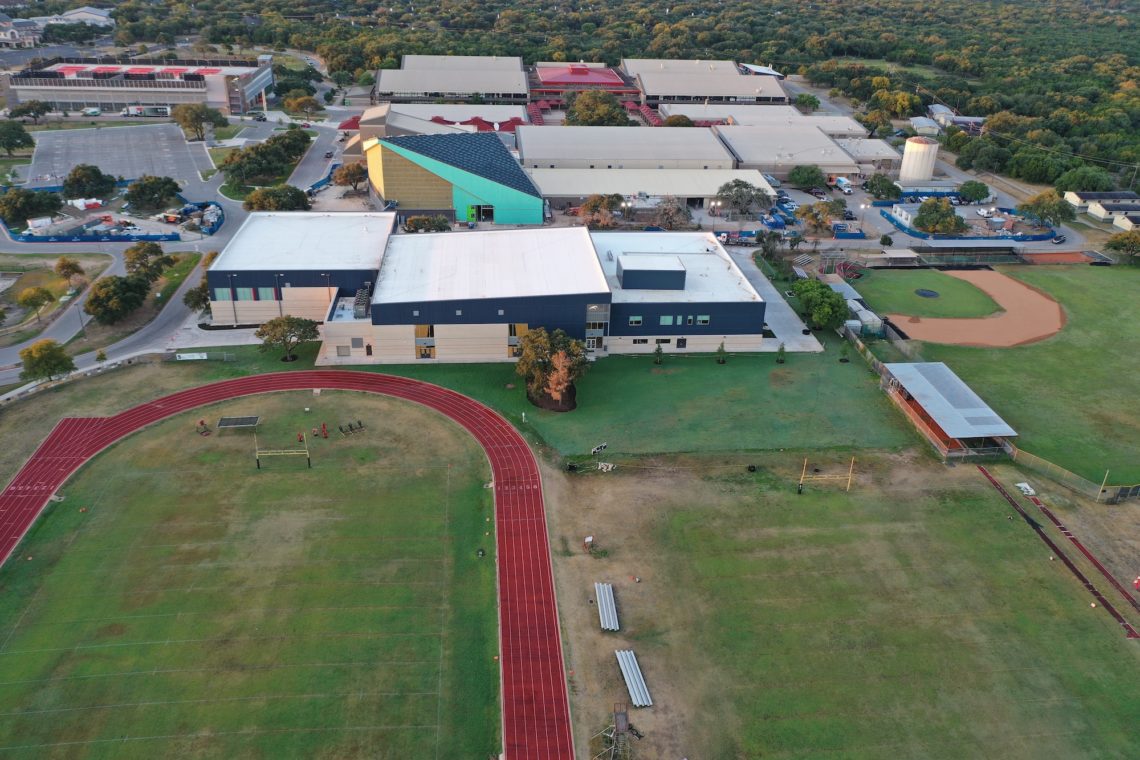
460	111
451	266
710	274
682	183
786	147
635	66
705	84
462	62
658	262
754	114
869	149
466	80
307	241
604	143
176	69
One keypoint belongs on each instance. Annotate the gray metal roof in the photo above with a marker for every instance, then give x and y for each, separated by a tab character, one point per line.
634	681
607	609
951	403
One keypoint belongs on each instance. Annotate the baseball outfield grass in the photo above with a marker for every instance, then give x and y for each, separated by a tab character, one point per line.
179	602
892	291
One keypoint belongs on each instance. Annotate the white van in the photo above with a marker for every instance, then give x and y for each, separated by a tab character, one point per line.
92	112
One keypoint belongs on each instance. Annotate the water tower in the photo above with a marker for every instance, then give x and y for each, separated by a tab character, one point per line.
918	160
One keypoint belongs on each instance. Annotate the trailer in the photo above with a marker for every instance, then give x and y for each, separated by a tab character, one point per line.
146	111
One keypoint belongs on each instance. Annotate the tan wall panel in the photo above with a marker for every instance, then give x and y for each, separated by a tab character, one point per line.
395	344
458	343
701	344
307	303
410	184
248	312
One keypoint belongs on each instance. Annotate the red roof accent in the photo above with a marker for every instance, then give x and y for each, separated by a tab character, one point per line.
353	123
141	70
577	73
71	69
106	69
208	71
175	71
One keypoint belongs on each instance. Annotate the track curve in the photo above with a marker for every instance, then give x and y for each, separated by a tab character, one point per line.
536	709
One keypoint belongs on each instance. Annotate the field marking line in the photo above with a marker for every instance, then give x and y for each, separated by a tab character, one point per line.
195	613
220	639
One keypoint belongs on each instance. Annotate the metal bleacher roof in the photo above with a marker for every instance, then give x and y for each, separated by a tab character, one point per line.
607	609
951	403
634	682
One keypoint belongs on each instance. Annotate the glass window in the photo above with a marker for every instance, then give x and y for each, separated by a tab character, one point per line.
702	319
358	342
245	294
664	341
221	294
343	351
415	312
501	312
640	341
635	321
459	312
667	320
266	294
689	321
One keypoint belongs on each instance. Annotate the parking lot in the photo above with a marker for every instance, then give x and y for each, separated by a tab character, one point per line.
127	152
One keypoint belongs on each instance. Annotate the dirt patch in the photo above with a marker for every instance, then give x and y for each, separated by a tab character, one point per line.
778	377
1058	257
661	371
1027	316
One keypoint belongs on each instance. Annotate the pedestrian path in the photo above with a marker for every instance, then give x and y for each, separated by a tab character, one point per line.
781	319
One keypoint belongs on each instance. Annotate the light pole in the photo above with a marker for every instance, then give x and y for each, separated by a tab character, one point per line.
862	216
79	313
328	286
233	297
278	294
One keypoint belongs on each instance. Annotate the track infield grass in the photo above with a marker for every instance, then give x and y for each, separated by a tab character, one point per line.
892	291
230	612
908	618
1072	398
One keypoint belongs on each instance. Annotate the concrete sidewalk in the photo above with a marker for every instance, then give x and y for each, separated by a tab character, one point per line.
781	319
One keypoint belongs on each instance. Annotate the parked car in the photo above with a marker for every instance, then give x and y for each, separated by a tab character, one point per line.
772	180
258	116
329	154
985	213
1059	239
305	125
790	205
848	215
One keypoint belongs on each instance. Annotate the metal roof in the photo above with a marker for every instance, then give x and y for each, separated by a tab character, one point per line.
951	403
702	84
307	241
634	681
444	81
607	609
542	144
683	183
635	66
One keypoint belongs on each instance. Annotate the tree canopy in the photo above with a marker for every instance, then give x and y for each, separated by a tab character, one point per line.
286	333
265	161
550	363
974	191
678	120
938	216
1048	208
807	176
45	360
596	108
34	299
112	299
277	198
147	260
351	175
19	205
1127	244
149	192
67	267
826	309
14	136
883	187
87	181
32	109
195	117
743	197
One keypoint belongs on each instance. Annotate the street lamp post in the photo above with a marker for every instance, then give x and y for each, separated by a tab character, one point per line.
278	294
233	297
82	327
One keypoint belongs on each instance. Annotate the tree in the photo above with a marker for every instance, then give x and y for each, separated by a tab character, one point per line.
149	192
974	191
19	205
658	355
597	202
550	363
825	307
672	214
678	120
87	181
742	197
1088	179
113	298
886	241
13	136
807	176
68	268
197	298
938	216
807	102
818	216
147	260
33	109
1127	244
1049	208
351	175
45	360
882	186
33	299
305	104
193	117
277	198
438	223
286	333
596	108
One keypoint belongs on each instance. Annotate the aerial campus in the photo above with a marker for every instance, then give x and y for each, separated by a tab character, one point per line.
631	380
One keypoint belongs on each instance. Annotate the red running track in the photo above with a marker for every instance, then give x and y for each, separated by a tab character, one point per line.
536	707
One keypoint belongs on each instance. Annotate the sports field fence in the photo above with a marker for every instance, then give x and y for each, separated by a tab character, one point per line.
1104	491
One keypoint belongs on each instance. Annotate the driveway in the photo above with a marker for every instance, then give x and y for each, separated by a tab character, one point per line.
781	319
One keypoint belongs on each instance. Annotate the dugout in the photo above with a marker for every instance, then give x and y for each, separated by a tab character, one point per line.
954	419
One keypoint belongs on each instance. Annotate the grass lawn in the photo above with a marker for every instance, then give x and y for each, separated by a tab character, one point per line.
218	155
37	272
89	124
906	619
202	608
1072	398
892	291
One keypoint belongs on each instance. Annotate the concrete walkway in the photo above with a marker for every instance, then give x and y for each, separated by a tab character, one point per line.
781	319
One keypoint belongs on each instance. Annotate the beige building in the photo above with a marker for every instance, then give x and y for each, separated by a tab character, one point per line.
751	115
396	119
778	150
490	79
621	148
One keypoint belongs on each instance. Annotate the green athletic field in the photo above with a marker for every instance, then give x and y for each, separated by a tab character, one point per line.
892	291
911	620
180	603
1074	397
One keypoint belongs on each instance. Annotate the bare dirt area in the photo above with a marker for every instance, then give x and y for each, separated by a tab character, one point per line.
1027	316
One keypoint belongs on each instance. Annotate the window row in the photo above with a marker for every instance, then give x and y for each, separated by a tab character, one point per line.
669	320
245	294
